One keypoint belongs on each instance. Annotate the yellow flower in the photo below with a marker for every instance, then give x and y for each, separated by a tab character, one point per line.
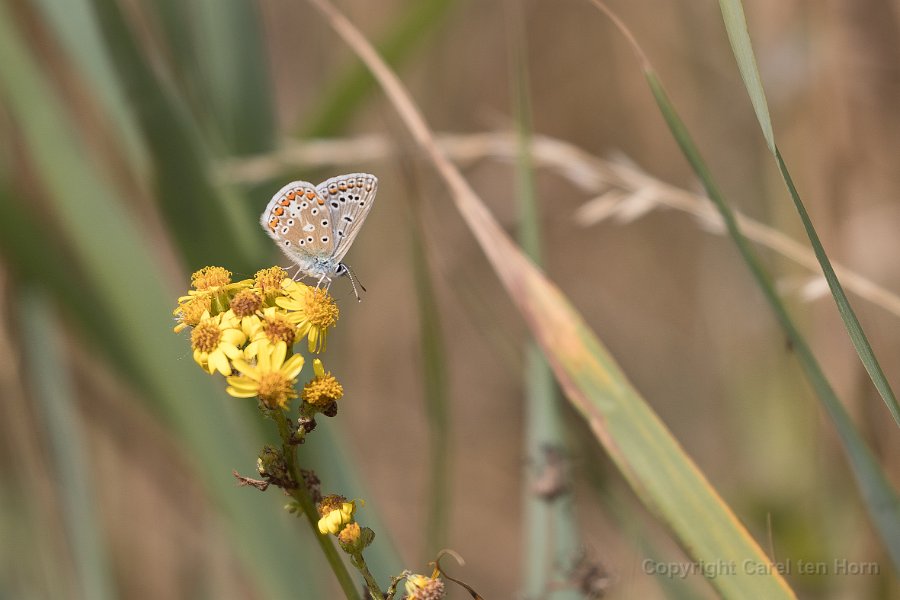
272	378
268	281
214	283
210	278
350	534
190	311
272	328
312	309
335	512
420	587
215	340
323	389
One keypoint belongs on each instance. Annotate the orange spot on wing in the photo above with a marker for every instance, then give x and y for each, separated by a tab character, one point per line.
310	194
320	201
291	195
285	202
278	211
342	186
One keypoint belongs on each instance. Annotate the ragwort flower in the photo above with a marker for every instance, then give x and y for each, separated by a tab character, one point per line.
272	378
335	512
215	340
312	309
272	327
324	387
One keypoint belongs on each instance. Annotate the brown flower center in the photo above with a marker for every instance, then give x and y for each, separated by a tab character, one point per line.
205	336
246	303
278	329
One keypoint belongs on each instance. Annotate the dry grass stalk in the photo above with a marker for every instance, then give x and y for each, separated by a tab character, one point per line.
623	191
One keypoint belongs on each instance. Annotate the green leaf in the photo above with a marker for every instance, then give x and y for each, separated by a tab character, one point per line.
55	401
210	226
552	544
736	25
879	496
114	254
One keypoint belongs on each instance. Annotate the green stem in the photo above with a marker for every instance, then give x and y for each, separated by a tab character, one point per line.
360	563
301	495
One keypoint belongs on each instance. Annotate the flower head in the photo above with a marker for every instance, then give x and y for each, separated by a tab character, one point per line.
323	389
245	303
215	340
215	284
312	309
336	512
210	278
190	311
421	587
268	281
272	378
270	327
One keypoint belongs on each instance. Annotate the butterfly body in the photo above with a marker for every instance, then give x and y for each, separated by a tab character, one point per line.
314	225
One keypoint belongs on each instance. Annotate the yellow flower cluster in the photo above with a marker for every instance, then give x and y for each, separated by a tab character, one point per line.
246	330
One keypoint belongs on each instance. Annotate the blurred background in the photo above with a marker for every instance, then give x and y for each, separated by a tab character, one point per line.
139	141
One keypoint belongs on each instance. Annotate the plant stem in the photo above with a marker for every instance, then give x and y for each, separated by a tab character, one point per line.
360	563
301	495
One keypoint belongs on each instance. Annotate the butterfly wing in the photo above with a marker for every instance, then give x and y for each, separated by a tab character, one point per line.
349	198
299	220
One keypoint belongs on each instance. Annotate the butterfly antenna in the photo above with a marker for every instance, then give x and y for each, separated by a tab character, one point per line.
353	281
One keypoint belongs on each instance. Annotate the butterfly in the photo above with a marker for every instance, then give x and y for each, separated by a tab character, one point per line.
315	225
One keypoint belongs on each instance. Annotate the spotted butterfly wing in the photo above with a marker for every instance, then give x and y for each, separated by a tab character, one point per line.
349	199
299	221
315	225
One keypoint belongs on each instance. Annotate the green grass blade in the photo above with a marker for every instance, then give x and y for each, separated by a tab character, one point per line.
234	68
437	404
879	497
351	87
75	26
33	253
113	253
551	542
56	401
210	227
736	26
